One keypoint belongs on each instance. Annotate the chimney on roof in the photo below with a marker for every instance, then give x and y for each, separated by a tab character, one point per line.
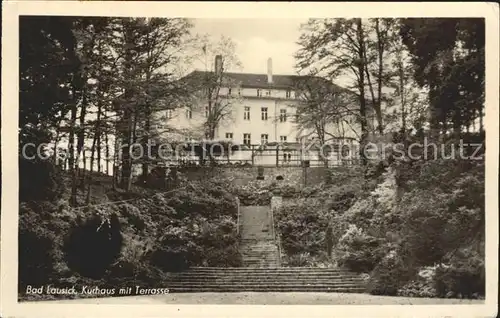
269	70
218	65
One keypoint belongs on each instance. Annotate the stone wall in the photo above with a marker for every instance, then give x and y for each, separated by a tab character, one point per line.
293	176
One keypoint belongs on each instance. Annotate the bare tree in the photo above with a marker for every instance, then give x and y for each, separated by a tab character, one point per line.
323	110
216	92
333	48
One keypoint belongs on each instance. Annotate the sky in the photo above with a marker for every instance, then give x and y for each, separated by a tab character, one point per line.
257	40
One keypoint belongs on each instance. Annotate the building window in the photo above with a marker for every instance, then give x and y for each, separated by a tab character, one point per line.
229	91
283	138
282	115
288	93
268	92
264	138
168	113
264	113
239	91
259	92
246	139
287	157
229	136
189	114
246	114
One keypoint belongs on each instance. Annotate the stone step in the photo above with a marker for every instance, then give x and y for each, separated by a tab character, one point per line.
191	280
276	269
266	275
270	276
250	240
207	289
263	285
260	254
258	248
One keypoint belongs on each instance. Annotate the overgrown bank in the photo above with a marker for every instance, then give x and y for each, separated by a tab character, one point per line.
134	242
416	231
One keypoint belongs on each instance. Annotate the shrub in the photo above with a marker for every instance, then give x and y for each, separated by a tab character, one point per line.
438	219
36	261
358	251
299	260
361	214
38	243
302	228
218	243
389	276
311	191
417	288
162	232
91	247
172	250
462	276
288	191
39	180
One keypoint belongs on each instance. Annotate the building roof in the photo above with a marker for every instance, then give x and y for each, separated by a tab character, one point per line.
250	80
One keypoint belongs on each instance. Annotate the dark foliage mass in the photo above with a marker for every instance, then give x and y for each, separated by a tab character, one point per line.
133	242
405	226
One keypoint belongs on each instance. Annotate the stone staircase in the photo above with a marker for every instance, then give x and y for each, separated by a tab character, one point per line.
261	271
258	247
264	279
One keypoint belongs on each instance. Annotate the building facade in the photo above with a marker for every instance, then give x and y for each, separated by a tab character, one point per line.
260	115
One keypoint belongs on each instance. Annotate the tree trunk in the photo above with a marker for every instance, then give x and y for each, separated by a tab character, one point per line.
92	155
98	137
361	86
145	162
55	159
71	148
402	97
115	169
434	115
127	119
80	147
481	127
147	132
106	140
380	47
125	149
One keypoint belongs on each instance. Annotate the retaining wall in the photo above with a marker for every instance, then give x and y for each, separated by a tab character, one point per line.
294	176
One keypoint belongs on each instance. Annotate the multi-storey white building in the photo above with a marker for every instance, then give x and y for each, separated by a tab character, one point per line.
261	114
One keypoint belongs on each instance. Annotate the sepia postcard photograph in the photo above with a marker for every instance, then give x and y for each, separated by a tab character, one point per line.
318	158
